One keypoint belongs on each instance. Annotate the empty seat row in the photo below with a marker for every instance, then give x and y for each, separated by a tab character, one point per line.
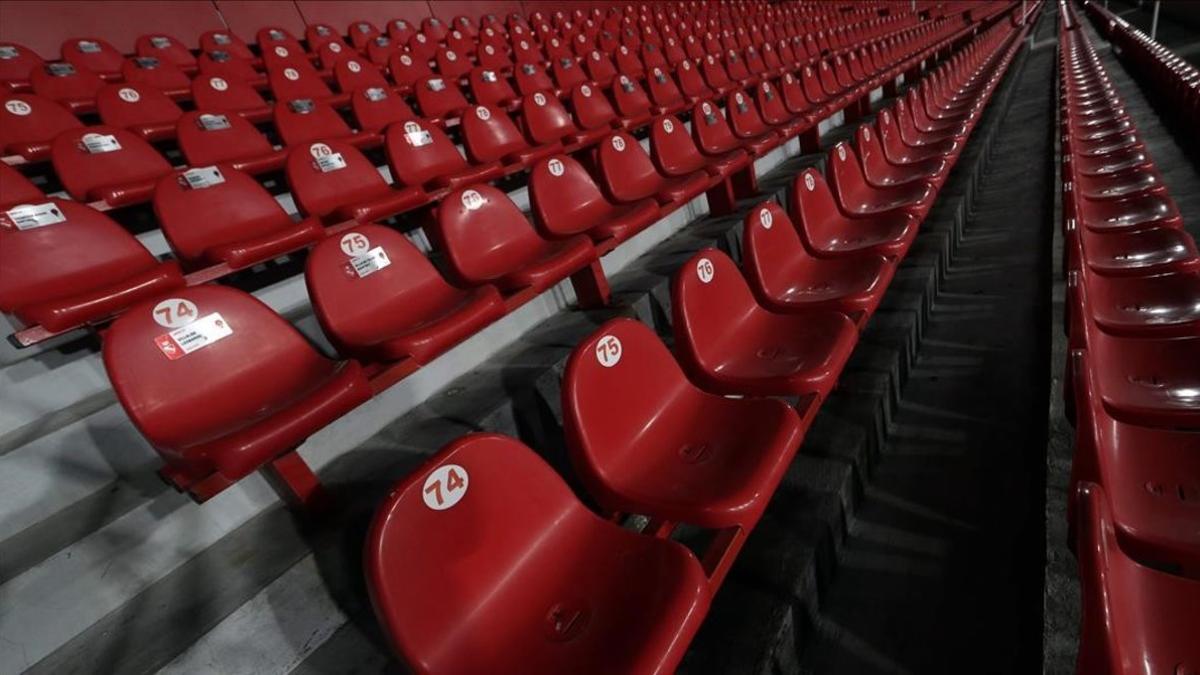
693	441
1132	381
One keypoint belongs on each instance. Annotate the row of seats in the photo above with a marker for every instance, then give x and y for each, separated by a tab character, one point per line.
1171	78
379	300
694	437
1132	382
215	215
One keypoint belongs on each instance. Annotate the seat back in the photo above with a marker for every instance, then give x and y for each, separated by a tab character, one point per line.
489	135
32	119
591	106
484	234
296	79
672	148
164	48
228	206
15	188
744	119
223	64
375	108
813	207
812	87
661	88
419	152
625	168
628	63
483	495
18	63
361	34
770	104
65	82
492	56
406	70
771	249
489	87
227	41
305	120
212	138
567	72
736	67
252	359
148	70
221	94
630	98
132	105
450	64
870	151
101	156
85	249
618	380
711	130
531	77
563	197
354	74
846	174
330	174
318	35
599	67
545	118
793	96
714	73
439	97
93	55
709	298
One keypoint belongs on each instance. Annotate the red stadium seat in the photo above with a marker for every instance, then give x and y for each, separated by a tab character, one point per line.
303	121
318	35
856	197
107	164
747	125
607	599
333	180
407	71
785	276
675	153
142	109
1132	614
15	188
644	440
632	102
149	71
297	79
222	64
895	149
1152	251
492	57
277	43
30	124
219	94
378	298
1149	382
256	388
66	264
18	62
375	108
489	87
421	155
439	98
226	41
729	344
567	73
216	138
531	78
592	109
451	65
489	135
217	214
828	233
166	49
565	202
361	33
487	240
67	84
546	121
691	83
879	172
628	175
664	94
93	55
353	75
600	68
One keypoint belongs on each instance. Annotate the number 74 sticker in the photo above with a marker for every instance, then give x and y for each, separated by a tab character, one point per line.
445	486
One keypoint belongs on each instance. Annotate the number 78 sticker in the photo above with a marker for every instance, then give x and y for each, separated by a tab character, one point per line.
445	486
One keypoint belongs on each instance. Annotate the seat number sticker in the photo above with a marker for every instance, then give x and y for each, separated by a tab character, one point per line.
416	136
331	162
608	351
31	216
556	167
203	177
373	261
210	122
100	143
445	487
472	200
196	335
705	270
766	218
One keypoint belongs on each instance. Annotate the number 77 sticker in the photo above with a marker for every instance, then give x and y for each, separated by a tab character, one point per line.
445	487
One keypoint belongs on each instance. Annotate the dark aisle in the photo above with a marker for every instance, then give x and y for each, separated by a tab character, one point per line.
942	570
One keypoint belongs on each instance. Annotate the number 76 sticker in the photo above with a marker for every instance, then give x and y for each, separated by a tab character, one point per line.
445	486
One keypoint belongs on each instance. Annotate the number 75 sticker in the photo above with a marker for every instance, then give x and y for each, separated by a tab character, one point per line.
445	486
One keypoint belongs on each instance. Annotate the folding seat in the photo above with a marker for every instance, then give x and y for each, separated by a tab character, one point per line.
665	97
672	52
167	49
1158	305
856	197
675	153
487	240
753	64
15	188
17	62
375	108
256	388
630	415
747	125
63	83
845	81
421	155
546	121
305	120
352	75
451	65
1148	382
407	71
631	101
226	41
600	68
333	180
636	601
628	63
106	164
828	234
439	98
66	265
29	124
401	31
318	35
489	87
879	172
1132	613
566	202
736	69
278	43
489	135
567	73
532	78
628	175
462	43
947	141
149	71
378	298
785	277
730	345
592	109
524	51
691	84
774	112
1154	250
713	136
715	76
93	55
216	214
219	94
434	29
222	64
895	149
421	47
772	62
142	109
362	33
652	57
297	80
815	93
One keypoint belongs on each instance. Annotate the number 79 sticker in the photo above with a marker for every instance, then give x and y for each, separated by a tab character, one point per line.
445	487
